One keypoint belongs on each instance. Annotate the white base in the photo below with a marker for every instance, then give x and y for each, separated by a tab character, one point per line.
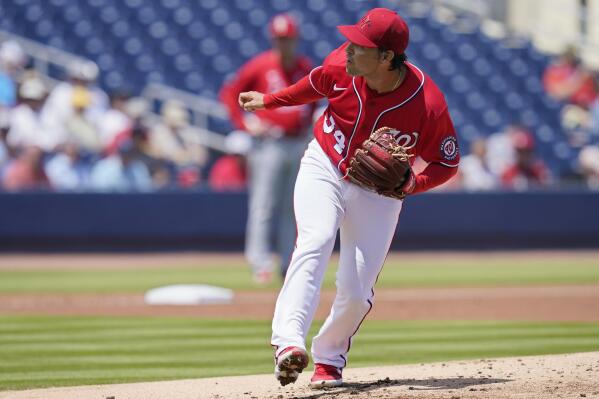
188	294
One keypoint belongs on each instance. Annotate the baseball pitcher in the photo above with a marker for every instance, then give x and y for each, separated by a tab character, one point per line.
383	114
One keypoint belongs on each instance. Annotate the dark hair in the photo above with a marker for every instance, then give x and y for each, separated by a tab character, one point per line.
397	61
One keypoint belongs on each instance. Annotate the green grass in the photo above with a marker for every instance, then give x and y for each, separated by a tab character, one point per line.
410	273
42	351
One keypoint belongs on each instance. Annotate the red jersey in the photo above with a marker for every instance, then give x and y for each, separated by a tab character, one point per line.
562	74
264	73
416	110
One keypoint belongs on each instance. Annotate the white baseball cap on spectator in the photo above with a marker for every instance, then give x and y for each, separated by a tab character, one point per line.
84	71
12	54
137	107
33	89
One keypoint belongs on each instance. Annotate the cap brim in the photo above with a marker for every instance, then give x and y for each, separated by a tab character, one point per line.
354	35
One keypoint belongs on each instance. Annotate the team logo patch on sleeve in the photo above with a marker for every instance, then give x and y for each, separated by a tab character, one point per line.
449	148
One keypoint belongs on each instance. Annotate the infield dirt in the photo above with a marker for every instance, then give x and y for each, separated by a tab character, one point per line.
555	376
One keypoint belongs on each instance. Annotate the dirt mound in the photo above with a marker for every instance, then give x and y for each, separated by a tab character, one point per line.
555	376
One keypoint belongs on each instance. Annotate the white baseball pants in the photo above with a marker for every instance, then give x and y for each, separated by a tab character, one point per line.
324	203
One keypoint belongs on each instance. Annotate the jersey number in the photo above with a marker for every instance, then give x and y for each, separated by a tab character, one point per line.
338	134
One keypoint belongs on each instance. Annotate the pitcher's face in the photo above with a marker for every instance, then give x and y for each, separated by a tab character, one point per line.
362	61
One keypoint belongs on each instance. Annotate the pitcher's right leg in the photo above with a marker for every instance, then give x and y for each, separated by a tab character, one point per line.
318	212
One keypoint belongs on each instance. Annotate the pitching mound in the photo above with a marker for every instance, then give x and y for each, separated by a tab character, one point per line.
556	376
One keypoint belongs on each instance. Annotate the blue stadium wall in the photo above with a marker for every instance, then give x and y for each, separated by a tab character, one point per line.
209	221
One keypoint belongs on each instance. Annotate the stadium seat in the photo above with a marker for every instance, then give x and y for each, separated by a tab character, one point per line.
196	44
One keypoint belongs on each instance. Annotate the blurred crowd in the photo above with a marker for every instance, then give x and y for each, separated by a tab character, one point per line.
568	80
510	160
72	136
504	160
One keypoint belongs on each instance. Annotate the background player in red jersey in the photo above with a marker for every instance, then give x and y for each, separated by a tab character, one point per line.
280	137
369	85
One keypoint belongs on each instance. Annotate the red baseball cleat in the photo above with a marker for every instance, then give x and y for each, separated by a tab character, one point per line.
326	376
290	362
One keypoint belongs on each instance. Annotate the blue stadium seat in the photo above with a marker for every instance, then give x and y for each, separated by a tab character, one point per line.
196	44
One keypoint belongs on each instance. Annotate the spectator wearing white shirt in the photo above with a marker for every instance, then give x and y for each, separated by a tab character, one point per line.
475	171
588	160
116	119
29	124
173	141
60	105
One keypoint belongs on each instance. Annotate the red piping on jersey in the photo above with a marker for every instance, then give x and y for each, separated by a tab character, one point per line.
312	84
353	82
448	165
403	102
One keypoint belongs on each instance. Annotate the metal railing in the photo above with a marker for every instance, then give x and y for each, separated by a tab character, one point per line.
201	108
44	56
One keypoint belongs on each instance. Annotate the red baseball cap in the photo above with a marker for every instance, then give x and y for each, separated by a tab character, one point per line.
283	25
523	140
380	27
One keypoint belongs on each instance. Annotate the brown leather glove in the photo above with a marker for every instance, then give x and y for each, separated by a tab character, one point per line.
383	166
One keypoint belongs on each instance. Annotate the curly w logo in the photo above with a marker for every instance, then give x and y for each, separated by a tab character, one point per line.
365	22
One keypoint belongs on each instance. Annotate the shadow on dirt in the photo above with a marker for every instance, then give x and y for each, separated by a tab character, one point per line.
412	384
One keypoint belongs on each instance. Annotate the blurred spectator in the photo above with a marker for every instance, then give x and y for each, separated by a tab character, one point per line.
594	121
134	109
122	171
500	149
80	129
588	160
12	60
173	141
476	174
161	174
576	122
82	75
138	135
28	124
566	79
116	119
527	170
5	153
229	172
26	172
66	170
280	142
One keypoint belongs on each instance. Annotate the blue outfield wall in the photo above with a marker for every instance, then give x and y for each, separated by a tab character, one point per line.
211	221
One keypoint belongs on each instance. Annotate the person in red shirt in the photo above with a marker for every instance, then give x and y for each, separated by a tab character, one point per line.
527	170
369	84
568	80
229	172
280	137
26	172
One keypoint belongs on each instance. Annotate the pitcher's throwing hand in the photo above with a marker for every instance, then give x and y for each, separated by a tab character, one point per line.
251	101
